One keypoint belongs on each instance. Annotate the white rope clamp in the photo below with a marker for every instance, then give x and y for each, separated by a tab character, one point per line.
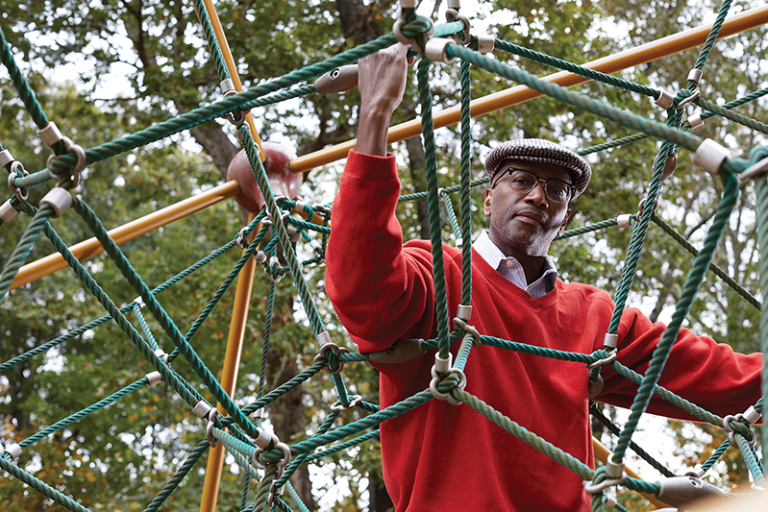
462	37
162	355
611	357
397	28
665	99
435	50
14	450
266	442
59	200
154	378
463	312
442	368
710	156
5	158
690	99
623	221
202	409
694	75
486	43
695	120
8	212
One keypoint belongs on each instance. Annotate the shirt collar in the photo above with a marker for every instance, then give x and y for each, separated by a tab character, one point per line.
491	253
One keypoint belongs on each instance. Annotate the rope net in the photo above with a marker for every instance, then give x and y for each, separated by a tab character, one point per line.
273	235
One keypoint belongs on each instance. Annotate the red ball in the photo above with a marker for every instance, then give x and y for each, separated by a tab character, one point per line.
283	182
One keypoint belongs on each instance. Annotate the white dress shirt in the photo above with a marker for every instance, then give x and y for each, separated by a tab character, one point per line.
509	267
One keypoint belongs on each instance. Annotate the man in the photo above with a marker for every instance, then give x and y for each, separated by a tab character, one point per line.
444	457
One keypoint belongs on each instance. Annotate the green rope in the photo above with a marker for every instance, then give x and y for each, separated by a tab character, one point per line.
161	316
640	231
714	32
85	412
715	456
178	477
454	188
540	444
647	457
451	213
733	116
430	164
466	184
628	119
106	318
23	248
589	228
750	459
719	272
265	345
40	486
21	84
660	354
762	239
575	69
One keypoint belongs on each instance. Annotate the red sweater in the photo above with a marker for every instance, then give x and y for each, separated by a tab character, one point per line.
444	457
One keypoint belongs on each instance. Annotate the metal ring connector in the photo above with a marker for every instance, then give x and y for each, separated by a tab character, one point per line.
336	350
598	488
690	99
338	407
604	361
18	171
79	153
739	418
242	240
753	171
238	119
209	428
462	37
470	329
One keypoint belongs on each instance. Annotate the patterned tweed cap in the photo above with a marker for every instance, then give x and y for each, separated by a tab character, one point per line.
543	151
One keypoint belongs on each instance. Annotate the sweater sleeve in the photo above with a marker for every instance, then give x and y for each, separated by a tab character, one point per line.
380	290
698	369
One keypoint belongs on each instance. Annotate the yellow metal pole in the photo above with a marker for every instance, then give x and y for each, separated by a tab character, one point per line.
92	247
221	38
519	94
229	373
602	453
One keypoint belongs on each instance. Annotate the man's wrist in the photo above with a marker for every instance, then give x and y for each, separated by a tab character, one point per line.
373	129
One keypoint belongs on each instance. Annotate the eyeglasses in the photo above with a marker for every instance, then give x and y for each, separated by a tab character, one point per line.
523	181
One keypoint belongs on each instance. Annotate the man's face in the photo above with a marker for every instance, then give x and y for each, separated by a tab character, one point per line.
525	224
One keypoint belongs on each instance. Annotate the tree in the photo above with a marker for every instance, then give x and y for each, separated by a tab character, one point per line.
162	46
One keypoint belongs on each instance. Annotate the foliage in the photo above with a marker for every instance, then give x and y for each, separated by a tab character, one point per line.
119	458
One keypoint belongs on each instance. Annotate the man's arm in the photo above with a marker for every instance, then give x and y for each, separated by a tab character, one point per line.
380	291
700	370
381	80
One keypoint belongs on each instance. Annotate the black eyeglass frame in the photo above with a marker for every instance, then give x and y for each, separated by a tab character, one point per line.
510	169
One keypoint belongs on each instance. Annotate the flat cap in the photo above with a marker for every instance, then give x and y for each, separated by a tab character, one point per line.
541	151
